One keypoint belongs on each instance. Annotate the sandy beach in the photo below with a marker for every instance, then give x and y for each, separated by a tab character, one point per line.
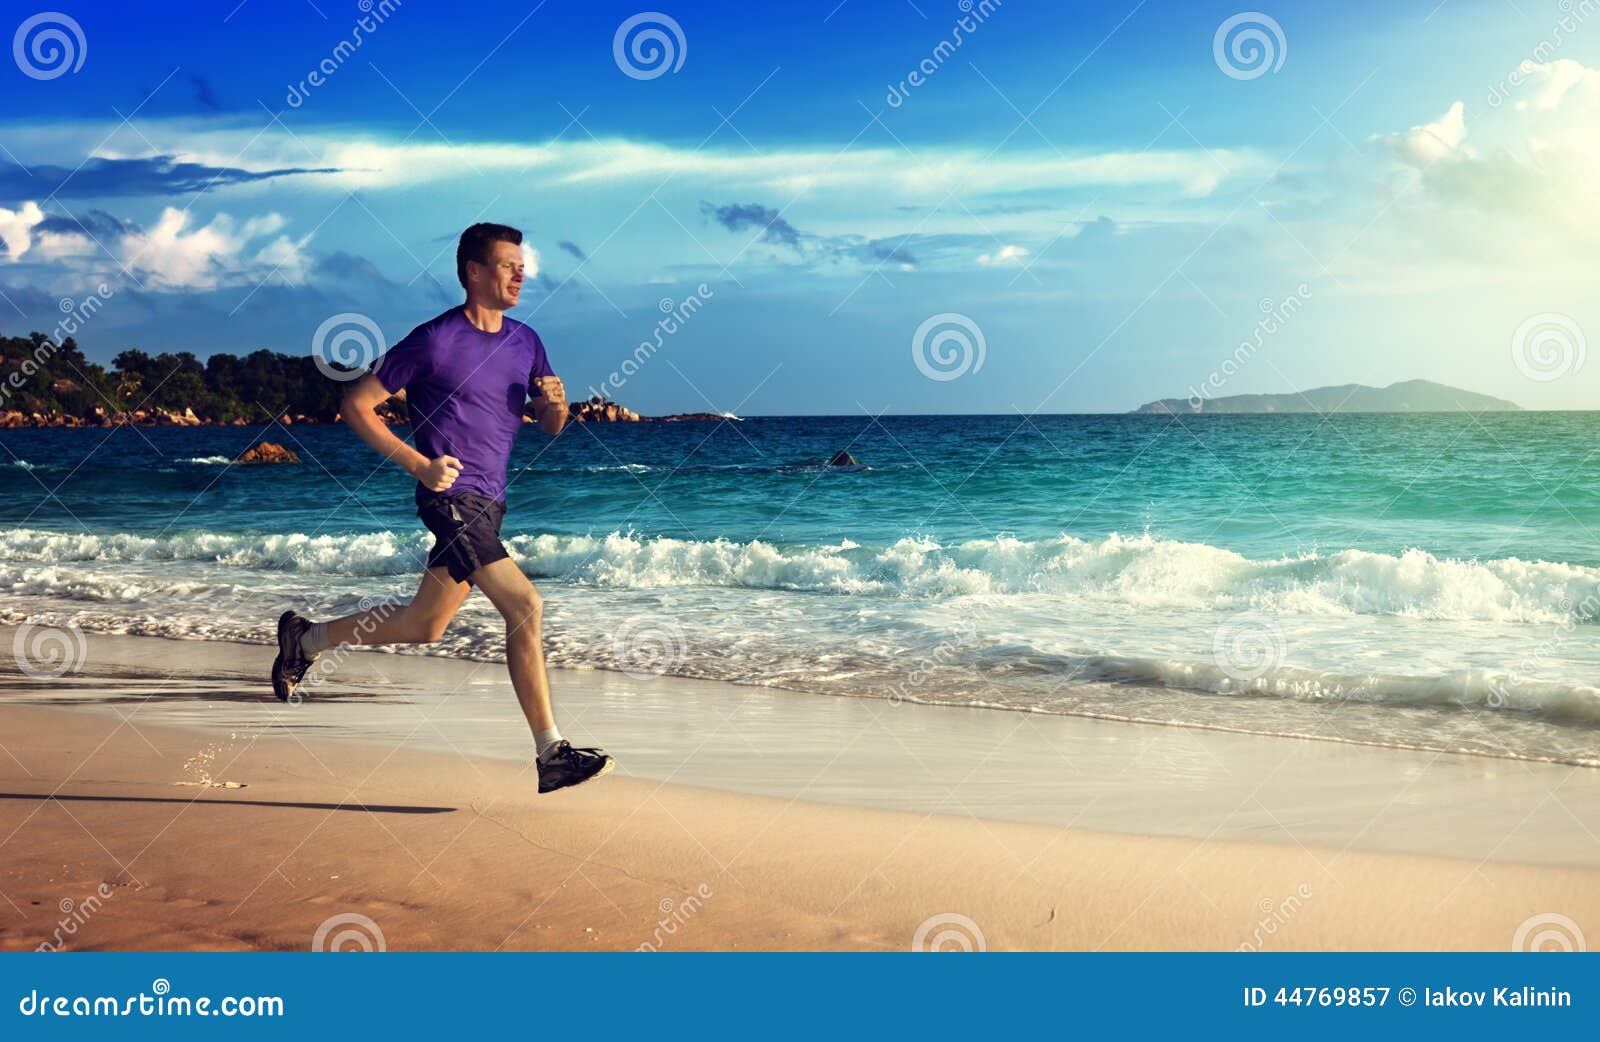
739	818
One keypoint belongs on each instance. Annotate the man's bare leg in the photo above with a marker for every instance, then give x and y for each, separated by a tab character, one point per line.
560	765
510	591
423	621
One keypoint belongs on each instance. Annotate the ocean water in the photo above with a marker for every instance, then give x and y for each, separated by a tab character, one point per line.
1428	581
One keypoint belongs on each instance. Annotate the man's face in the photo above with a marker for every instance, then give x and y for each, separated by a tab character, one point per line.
499	282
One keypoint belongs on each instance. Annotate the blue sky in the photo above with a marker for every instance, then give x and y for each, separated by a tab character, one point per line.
1118	212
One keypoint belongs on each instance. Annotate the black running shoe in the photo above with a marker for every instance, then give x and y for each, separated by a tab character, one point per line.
568	766
291	664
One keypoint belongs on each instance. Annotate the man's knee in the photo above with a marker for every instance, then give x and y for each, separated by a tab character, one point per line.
525	613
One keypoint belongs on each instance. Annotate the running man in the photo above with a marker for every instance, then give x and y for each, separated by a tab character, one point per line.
467	375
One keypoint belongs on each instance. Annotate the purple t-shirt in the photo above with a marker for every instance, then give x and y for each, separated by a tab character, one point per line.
466	390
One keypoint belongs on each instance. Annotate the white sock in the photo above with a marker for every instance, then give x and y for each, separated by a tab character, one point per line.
314	640
546	740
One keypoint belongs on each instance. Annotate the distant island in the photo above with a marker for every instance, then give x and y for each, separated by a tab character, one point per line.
1405	396
45	384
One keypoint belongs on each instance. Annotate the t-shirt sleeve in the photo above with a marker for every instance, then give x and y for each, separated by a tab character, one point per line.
540	366
405	361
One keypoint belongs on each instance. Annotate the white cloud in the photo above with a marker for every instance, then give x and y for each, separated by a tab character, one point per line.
530	261
171	255
371	162
1008	254
1428	143
16	228
1555	80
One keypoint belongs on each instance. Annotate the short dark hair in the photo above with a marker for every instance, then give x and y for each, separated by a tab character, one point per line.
476	242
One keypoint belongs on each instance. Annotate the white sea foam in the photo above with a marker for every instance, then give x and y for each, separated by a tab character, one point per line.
1141	572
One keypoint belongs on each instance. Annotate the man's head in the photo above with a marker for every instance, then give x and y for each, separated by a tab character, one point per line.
489	264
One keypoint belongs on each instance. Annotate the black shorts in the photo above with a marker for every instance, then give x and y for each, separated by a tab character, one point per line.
466	530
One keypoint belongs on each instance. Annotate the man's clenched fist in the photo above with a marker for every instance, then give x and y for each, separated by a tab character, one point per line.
552	391
439	474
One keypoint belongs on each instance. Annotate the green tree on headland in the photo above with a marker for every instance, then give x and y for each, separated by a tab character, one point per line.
41	380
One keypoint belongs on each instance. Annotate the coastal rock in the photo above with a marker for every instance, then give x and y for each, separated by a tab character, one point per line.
173	418
690	417
601	410
267	452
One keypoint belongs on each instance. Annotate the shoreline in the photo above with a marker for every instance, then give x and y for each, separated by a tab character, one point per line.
1039	769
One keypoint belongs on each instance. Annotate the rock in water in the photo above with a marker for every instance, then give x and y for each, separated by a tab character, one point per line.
267	452
843	459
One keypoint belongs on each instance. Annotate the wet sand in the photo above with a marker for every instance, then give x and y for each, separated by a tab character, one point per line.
739	818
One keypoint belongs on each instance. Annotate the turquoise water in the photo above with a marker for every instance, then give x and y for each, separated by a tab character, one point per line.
1425	580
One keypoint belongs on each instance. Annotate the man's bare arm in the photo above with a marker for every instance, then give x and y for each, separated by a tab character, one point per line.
360	411
550	408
